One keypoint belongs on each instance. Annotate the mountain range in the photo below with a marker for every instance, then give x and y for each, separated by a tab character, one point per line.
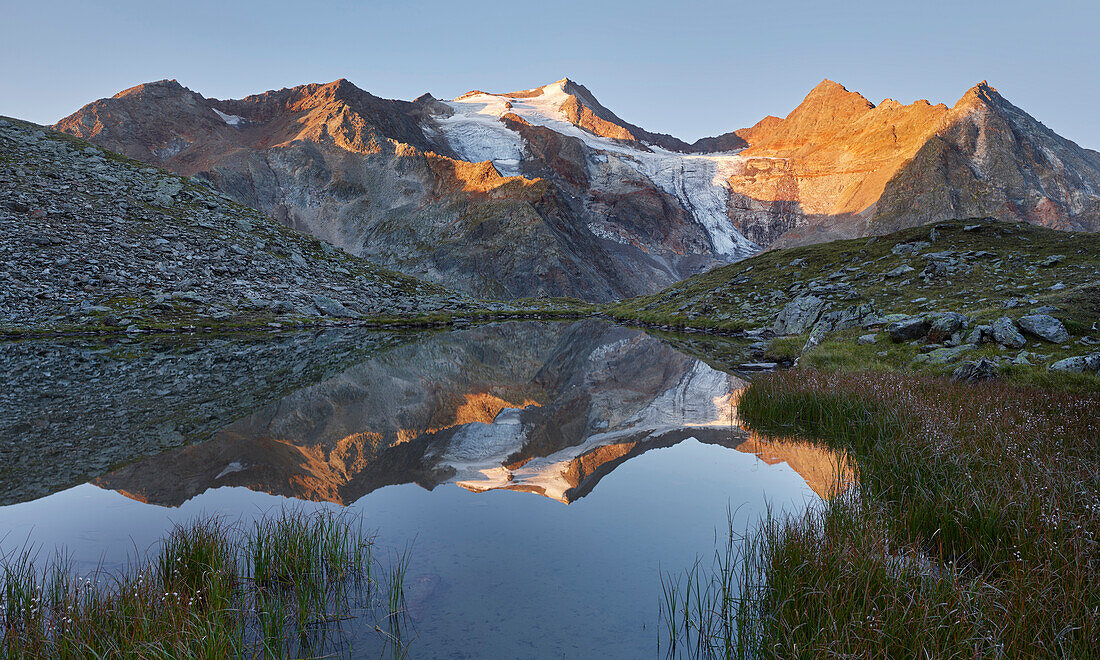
545	192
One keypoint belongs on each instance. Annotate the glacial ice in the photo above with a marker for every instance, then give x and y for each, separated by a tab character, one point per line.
697	181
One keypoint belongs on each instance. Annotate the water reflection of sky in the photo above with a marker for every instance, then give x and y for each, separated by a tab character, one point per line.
495	574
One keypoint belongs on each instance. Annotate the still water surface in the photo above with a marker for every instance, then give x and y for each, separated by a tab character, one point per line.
543	475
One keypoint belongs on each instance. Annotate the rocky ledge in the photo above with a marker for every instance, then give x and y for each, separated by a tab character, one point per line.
91	241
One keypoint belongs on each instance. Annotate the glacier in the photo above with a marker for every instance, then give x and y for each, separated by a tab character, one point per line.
698	181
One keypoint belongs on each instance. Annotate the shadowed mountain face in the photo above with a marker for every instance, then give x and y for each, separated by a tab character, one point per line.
548	409
548	192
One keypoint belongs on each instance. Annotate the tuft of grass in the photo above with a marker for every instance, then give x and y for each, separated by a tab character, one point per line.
973	533
278	590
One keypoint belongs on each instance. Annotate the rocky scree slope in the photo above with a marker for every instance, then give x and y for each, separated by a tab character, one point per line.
399	183
92	241
928	297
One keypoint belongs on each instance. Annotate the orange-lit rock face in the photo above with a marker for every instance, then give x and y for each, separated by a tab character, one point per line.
583	116
829	474
840	167
835	152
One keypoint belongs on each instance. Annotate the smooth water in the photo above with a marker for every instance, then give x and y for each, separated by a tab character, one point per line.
543	475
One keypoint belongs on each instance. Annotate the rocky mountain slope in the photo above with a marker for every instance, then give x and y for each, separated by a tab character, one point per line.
546	192
90	240
839	166
407	185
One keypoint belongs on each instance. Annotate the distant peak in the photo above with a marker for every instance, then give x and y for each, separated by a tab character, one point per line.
983	92
167	85
828	85
341	84
830	92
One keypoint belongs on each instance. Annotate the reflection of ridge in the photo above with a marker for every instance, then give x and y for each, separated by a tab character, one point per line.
543	408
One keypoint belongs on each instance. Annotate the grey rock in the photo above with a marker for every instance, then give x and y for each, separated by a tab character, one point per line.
975	371
1006	334
913	327
945	325
981	334
1078	364
906	249
944	355
1045	327
331	307
864	340
899	271
836	321
798	316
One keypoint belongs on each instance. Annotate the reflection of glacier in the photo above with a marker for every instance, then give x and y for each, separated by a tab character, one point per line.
543	408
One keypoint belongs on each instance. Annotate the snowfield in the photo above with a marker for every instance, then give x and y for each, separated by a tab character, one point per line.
697	181
232	120
476	133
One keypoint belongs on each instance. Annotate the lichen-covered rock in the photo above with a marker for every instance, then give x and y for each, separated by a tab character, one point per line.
1045	327
945	325
1006	334
1078	364
943	355
798	316
978	370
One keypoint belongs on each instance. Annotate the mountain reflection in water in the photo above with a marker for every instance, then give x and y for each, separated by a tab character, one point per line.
640	440
542	408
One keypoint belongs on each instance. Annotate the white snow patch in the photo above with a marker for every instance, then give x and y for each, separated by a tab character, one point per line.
232	120
235	466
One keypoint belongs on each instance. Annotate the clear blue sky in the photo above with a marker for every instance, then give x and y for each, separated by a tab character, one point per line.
683	67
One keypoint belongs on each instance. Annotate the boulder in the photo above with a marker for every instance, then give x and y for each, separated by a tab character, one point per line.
906	249
864	340
945	325
1006	334
1078	364
1045	327
975	371
900	270
799	315
980	335
943	355
845	319
330	307
913	327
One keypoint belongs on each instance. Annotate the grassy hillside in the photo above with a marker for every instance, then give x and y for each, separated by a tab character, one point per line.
983	269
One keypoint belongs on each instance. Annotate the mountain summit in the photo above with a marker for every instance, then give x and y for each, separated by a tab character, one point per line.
546	191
